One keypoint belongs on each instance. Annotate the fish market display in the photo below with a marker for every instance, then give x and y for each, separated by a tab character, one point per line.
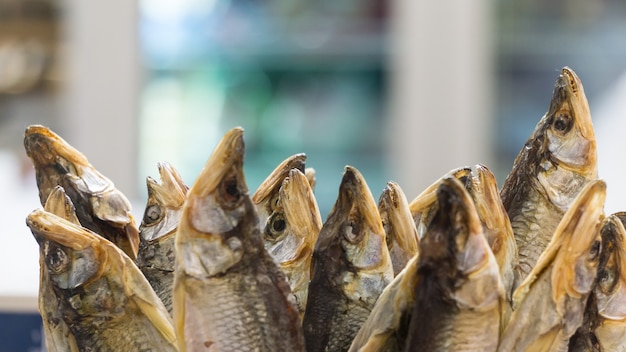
103	298
100	206
157	232
291	232
229	294
400	231
556	162
351	267
534	266
550	302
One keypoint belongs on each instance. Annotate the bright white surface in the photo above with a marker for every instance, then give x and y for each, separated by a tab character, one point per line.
609	118
19	252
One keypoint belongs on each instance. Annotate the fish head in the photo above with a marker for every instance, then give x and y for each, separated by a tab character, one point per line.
293	227
218	215
482	186
58	163
266	196
611	283
400	230
455	248
164	206
423	206
567	157
70	253
352	241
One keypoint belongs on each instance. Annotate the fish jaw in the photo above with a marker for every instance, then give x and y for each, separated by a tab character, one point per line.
266	195
570	159
54	159
208	239
611	288
400	230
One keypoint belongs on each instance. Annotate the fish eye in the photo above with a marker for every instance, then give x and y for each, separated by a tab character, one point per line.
275	226
229	192
153	214
606	280
352	232
562	122
57	260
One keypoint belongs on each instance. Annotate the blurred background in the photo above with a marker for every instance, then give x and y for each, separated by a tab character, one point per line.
402	90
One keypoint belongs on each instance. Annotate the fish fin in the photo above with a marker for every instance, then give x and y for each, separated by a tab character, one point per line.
148	302
178	309
547	342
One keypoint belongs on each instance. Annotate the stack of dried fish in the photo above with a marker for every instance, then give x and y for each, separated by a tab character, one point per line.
535	266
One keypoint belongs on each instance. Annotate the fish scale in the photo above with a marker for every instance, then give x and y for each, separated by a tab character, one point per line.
531	237
227	304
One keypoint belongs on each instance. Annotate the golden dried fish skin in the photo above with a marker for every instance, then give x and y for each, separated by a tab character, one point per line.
157	232
104	299
482	186
100	206
291	232
550	303
604	324
556	162
266	196
351	267
424	205
400	230
459	295
229	294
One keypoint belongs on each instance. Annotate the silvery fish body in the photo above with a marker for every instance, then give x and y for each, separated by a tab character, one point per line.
556	162
229	294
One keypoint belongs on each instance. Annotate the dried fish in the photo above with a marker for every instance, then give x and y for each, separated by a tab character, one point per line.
229	294
157	232
100	206
104	299
556	162
291	232
400	230
351	267
458	294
